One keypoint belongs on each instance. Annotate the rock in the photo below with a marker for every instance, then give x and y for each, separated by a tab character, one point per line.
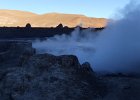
86	72
86	68
14	53
28	25
46	77
60	26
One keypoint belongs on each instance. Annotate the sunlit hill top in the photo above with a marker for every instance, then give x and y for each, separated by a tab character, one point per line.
14	18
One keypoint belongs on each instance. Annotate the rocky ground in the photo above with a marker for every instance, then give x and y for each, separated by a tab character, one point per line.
25	75
122	87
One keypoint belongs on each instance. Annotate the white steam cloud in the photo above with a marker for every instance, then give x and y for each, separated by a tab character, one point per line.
115	49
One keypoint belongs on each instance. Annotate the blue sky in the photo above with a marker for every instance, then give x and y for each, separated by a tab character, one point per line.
92	8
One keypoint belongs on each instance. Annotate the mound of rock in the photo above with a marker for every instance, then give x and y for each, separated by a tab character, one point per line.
12	53
25	75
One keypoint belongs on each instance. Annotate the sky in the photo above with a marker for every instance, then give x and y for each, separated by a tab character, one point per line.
91	8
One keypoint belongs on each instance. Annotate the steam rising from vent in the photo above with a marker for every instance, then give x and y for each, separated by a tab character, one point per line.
115	49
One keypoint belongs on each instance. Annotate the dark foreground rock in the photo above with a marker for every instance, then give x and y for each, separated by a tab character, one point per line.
13	53
25	75
122	87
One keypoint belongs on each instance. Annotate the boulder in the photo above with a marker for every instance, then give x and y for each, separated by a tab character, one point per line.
60	26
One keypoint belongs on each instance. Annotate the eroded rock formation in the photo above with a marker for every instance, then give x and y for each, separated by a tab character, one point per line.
25	75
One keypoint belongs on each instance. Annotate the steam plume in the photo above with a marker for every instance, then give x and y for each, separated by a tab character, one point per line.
115	49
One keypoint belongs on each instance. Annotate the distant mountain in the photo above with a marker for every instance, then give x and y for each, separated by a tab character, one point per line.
20	18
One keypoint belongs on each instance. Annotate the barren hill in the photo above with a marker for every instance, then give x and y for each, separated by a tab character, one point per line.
20	18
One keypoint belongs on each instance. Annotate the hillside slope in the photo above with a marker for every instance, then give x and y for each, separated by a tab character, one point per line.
20	18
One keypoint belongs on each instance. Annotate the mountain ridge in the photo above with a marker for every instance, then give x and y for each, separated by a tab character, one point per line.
14	18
